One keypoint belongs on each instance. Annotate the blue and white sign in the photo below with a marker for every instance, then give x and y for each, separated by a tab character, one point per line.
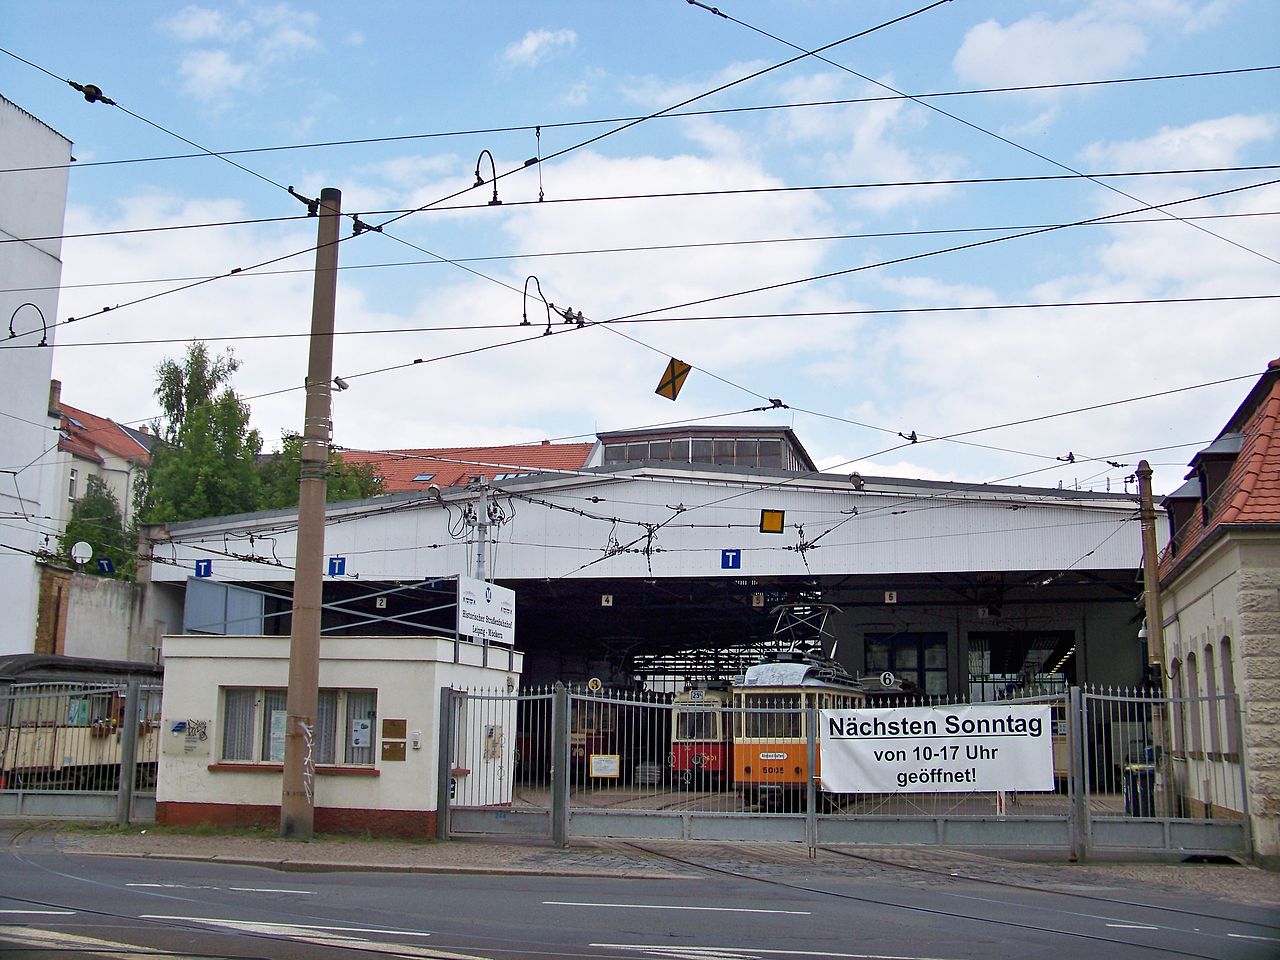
486	612
106	566
730	559
337	566
204	568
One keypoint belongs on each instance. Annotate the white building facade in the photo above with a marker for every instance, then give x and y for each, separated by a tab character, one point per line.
32	204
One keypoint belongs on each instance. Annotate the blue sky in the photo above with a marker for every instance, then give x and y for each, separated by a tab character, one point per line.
251	75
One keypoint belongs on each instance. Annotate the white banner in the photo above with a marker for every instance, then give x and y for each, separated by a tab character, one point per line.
486	612
958	749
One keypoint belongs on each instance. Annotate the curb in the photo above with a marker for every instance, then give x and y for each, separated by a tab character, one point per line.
321	866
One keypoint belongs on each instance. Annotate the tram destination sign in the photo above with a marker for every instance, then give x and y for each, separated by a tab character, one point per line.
955	749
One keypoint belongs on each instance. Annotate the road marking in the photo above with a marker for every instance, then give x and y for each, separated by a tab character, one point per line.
256	924
701	953
663	906
1245	936
171	886
301	893
1132	926
50	940
42	913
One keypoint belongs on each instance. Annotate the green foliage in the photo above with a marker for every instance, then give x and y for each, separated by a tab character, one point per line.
280	473
98	520
203	464
207	462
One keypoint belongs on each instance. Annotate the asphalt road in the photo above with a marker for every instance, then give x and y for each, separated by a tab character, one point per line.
57	903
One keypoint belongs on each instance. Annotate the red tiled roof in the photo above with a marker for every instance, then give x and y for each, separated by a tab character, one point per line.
1251	491
99	434
453	465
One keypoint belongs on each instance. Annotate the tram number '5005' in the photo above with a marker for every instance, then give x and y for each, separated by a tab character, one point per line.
767	769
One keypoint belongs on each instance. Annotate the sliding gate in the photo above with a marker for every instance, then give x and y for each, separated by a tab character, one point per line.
560	764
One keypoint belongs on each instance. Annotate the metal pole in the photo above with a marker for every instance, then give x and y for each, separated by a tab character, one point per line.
1155	633
810	715
444	768
1077	777
482	525
560	765
297	800
128	752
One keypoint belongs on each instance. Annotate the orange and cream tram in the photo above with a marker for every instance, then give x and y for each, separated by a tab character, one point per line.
701	735
772	708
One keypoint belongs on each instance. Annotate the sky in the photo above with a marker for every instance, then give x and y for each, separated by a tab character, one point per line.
817	232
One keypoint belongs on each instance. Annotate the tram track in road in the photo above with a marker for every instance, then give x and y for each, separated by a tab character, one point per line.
956	915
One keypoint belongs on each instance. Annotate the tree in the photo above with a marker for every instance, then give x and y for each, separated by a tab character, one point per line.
204	463
281	472
97	519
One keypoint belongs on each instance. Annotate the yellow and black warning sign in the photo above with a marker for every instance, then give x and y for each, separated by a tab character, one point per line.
771	521
673	379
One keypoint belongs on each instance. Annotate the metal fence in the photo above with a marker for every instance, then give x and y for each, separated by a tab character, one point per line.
63	747
559	763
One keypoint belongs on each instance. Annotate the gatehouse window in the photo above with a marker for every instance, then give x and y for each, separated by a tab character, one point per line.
254	723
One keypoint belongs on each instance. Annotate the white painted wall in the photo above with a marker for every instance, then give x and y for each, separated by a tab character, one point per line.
898	529
406	672
31	205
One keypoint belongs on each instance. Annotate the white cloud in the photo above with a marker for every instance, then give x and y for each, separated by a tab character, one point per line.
192	24
1040	50
212	75
238	55
1217	142
536	45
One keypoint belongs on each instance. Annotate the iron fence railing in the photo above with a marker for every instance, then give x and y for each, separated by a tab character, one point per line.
1115	754
74	737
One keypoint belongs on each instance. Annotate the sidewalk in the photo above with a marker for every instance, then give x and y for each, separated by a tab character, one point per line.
671	860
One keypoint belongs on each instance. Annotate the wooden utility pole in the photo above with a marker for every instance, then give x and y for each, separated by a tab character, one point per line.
1155	634
297	800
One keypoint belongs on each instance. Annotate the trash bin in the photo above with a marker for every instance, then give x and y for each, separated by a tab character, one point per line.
1140	790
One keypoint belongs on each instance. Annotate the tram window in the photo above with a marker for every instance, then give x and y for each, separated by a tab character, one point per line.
779	717
695	725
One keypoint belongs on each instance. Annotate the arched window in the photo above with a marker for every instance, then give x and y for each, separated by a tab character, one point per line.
1212	705
1230	709
1179	717
1196	745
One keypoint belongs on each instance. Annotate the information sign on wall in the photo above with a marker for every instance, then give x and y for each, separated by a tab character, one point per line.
955	749
486	612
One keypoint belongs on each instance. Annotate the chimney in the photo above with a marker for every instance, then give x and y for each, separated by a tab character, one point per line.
55	398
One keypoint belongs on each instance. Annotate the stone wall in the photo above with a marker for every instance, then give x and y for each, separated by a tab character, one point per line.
1258	603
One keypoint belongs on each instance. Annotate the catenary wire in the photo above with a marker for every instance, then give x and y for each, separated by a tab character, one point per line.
678	195
530	127
787	315
562	152
990	133
645	248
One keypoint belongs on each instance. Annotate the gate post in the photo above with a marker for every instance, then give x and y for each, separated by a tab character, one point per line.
560	765
811	780
128	752
444	762
1078	780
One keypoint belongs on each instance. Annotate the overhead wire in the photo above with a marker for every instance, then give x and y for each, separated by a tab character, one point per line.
985	131
380	228
643	248
669	195
554	125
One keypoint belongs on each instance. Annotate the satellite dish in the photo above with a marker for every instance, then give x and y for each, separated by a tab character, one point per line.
81	553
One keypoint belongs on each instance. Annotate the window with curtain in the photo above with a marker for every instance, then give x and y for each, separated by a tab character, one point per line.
254	725
238	709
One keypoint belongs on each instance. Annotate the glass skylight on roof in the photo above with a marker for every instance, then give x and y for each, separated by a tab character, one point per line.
424	477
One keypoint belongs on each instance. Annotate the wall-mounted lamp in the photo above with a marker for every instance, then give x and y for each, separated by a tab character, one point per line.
495	202
44	326
340	383
1142	631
